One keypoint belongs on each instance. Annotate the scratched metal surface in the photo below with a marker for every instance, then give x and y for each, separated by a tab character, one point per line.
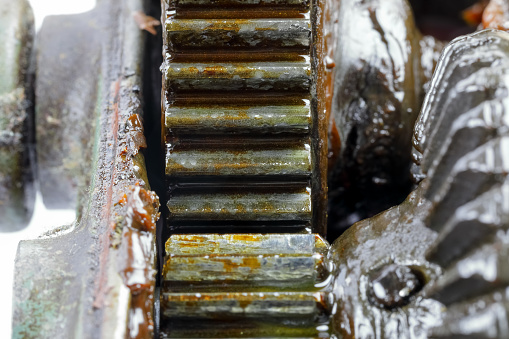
96	277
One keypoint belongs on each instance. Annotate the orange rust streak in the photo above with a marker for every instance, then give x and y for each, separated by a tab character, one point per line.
253	263
123	200
228	265
143	216
473	14
101	288
135	121
245	237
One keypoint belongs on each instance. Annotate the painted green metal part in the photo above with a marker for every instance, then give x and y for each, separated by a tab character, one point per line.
16	175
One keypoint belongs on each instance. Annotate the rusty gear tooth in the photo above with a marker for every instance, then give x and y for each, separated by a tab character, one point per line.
276	34
289	119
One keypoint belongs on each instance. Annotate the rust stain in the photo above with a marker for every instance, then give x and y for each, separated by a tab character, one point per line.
142	209
136	139
101	288
123	200
245	237
243	303
229	266
215	70
252	262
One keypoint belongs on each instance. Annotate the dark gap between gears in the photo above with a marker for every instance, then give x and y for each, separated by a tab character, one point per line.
154	154
442	19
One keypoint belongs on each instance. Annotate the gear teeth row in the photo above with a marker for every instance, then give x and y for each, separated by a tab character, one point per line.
240	116
238	285
465	156
242	154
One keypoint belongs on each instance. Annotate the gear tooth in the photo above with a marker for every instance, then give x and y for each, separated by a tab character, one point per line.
240	120
465	64
482	272
234	77
455	139
480	318
301	5
473	223
474	174
289	161
269	34
241	207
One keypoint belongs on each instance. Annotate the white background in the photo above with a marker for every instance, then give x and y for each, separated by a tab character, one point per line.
42	219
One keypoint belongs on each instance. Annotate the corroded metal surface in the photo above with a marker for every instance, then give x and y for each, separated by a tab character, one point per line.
245	263
274	33
96	277
463	265
241	206
244	152
16	192
289	161
241	115
248	270
301	4
236	244
397	236
380	70
290	119
245	285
